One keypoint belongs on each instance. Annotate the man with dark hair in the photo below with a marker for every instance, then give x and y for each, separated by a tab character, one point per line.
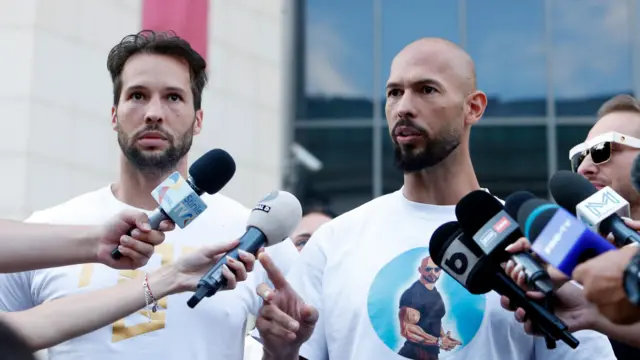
158	81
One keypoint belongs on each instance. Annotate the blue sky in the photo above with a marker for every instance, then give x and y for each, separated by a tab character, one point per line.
505	38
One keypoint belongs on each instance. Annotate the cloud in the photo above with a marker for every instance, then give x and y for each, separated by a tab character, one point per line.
325	54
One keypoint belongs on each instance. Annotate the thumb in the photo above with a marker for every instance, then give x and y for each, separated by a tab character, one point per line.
634	224
136	218
211	251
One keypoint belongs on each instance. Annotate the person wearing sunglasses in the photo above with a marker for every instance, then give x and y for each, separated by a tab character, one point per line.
605	158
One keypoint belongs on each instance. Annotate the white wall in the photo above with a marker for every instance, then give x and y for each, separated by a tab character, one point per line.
56	97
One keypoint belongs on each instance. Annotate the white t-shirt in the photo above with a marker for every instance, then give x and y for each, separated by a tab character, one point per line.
363	266
215	329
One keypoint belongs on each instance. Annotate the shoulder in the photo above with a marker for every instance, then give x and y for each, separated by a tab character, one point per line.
70	209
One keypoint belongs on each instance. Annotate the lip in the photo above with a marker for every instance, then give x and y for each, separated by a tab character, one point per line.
152	135
597	185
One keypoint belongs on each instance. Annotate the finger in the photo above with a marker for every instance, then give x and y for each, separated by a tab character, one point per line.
265	292
238	268
520	315
506	303
528	328
142	222
273	272
536	295
310	314
508	268
231	279
279	318
142	248
248	259
167	226
137	259
211	251
520	245
522	279
268	328
154	237
634	224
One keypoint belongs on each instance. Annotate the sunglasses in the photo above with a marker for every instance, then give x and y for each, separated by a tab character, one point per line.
600	148
434	269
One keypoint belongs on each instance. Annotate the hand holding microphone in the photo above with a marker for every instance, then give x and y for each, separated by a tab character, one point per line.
603	281
179	199
271	221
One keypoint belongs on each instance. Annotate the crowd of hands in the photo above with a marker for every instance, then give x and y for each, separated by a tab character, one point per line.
285	321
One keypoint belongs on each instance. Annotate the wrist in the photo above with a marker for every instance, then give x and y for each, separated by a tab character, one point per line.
89	241
164	281
290	352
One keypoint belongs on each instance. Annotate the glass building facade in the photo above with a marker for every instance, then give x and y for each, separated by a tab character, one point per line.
545	65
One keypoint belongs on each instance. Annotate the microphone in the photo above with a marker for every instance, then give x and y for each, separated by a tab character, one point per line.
493	229
558	237
271	221
599	210
460	257
182	204
635	174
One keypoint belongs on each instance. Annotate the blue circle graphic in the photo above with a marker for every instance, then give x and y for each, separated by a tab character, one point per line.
464	311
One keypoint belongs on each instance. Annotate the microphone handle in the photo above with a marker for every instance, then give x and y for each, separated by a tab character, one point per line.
536	276
155	218
622	234
548	323
213	280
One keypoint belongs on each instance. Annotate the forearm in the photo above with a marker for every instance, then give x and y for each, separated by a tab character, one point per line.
291	356
628	334
62	319
38	246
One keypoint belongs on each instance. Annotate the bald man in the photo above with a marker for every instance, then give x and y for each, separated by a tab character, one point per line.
342	298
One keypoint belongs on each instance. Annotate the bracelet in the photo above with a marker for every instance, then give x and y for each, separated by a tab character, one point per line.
149	299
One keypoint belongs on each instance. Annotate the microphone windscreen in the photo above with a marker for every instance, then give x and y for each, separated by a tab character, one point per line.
569	189
212	171
533	216
635	174
476	209
276	216
514	201
440	238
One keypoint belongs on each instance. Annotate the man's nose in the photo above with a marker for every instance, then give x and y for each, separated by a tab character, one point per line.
155	112
406	108
587	167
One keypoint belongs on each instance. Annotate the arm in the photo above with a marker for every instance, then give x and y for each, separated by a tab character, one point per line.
628	334
80	314
411	331
57	245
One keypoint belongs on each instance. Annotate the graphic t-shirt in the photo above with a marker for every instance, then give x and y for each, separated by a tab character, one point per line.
363	270
215	329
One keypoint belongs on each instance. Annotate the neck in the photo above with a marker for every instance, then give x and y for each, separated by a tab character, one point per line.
445	183
134	187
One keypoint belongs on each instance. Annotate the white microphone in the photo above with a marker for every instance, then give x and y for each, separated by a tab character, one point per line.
593	210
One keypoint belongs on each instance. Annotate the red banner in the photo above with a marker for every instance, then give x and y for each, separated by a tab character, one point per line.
187	18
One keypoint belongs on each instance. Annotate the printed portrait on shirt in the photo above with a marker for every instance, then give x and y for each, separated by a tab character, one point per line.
420	312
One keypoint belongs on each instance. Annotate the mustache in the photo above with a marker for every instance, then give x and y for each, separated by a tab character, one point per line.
410	124
153	127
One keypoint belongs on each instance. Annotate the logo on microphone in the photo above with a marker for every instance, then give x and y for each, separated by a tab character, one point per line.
501	225
609	200
262	207
172	183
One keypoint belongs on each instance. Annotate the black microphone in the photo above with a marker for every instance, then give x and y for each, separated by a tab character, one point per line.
271	221
493	229
182	204
596	209
460	257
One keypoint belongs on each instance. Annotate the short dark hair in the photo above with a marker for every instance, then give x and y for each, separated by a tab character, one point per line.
619	103
161	43
319	209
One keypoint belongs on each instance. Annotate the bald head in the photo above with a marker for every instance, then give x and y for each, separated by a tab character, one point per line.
445	58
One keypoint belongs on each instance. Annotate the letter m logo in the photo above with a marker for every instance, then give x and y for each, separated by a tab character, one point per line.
609	200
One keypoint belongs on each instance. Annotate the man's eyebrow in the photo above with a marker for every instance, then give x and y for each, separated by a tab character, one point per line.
425	81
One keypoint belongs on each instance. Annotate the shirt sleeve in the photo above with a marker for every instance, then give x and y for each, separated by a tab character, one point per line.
306	279
593	345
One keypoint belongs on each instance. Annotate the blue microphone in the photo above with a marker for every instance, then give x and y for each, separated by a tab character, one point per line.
558	237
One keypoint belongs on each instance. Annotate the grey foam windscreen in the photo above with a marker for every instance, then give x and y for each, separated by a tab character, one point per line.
276	215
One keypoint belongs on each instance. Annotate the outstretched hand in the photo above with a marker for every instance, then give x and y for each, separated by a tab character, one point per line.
285	322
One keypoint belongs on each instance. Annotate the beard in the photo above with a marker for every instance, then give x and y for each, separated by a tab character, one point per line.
158	163
410	158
